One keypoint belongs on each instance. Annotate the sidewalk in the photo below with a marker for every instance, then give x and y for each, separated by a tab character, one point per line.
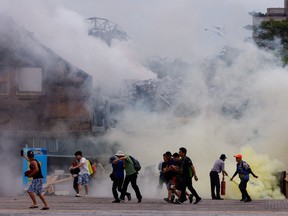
67	205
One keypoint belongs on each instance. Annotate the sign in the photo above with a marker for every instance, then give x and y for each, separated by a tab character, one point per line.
40	154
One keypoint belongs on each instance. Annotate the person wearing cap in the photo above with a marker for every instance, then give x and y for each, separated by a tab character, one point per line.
117	176
243	170
36	185
131	176
219	167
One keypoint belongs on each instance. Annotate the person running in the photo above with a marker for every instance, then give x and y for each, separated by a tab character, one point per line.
187	171
84	175
219	167
36	185
243	170
131	176
117	176
161	174
75	173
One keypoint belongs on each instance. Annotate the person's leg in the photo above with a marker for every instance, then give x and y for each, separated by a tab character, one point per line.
41	196
31	190
120	188
183	186
86	189
191	189
242	189
125	186
80	182
212	183
217	184
33	198
135	186
114	189
75	185
245	194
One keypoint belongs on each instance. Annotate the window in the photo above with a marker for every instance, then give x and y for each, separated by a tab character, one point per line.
30	81
4	81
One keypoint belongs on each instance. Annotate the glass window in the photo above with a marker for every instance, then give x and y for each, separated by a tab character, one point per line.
30	80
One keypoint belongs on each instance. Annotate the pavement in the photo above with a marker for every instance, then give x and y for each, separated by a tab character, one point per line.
85	206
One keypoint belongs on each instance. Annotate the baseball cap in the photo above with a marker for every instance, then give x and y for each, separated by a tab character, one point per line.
112	159
223	156
30	153
238	156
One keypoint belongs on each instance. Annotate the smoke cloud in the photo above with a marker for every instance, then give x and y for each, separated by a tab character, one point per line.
238	100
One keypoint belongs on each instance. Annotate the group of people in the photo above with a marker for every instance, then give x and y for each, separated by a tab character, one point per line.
120	163
176	171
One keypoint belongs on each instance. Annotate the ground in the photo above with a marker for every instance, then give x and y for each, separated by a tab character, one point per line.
68	205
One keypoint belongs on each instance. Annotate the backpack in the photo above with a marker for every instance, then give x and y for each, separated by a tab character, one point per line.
136	164
90	167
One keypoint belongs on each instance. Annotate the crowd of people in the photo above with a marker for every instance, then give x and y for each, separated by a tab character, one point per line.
176	172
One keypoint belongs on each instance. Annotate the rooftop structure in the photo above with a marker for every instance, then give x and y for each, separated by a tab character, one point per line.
277	14
106	30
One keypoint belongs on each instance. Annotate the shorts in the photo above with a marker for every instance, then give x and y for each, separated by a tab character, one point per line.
83	179
36	186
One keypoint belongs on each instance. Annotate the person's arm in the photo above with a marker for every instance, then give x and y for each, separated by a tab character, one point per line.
236	172
194	173
34	167
25	157
250	171
223	170
79	165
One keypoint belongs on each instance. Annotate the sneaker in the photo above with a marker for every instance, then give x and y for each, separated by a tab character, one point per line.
122	200
191	198
129	197
178	201
197	200
219	198
167	200
248	200
77	195
140	200
172	197
116	201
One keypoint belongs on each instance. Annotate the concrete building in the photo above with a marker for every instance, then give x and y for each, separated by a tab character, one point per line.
45	101
277	14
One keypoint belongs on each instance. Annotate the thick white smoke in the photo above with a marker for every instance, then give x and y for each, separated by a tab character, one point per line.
253	79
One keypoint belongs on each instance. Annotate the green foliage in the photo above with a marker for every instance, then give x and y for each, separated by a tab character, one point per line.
268	32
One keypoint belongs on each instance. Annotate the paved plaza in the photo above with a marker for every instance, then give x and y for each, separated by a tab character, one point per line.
68	205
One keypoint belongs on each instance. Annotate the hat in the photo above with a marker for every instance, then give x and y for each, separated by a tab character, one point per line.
120	153
168	153
238	156
30	153
223	156
112	159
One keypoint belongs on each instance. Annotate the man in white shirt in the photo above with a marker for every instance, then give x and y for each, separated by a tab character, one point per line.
219	167
84	174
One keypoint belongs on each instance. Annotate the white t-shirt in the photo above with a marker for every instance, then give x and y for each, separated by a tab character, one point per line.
84	169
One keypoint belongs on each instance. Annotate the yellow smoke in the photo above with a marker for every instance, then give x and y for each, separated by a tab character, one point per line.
266	186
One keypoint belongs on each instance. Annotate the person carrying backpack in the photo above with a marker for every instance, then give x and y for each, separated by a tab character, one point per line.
131	169
243	170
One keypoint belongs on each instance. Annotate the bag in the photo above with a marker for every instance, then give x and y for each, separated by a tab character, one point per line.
90	167
136	164
113	176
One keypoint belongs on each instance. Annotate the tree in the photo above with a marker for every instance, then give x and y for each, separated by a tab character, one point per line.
273	35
